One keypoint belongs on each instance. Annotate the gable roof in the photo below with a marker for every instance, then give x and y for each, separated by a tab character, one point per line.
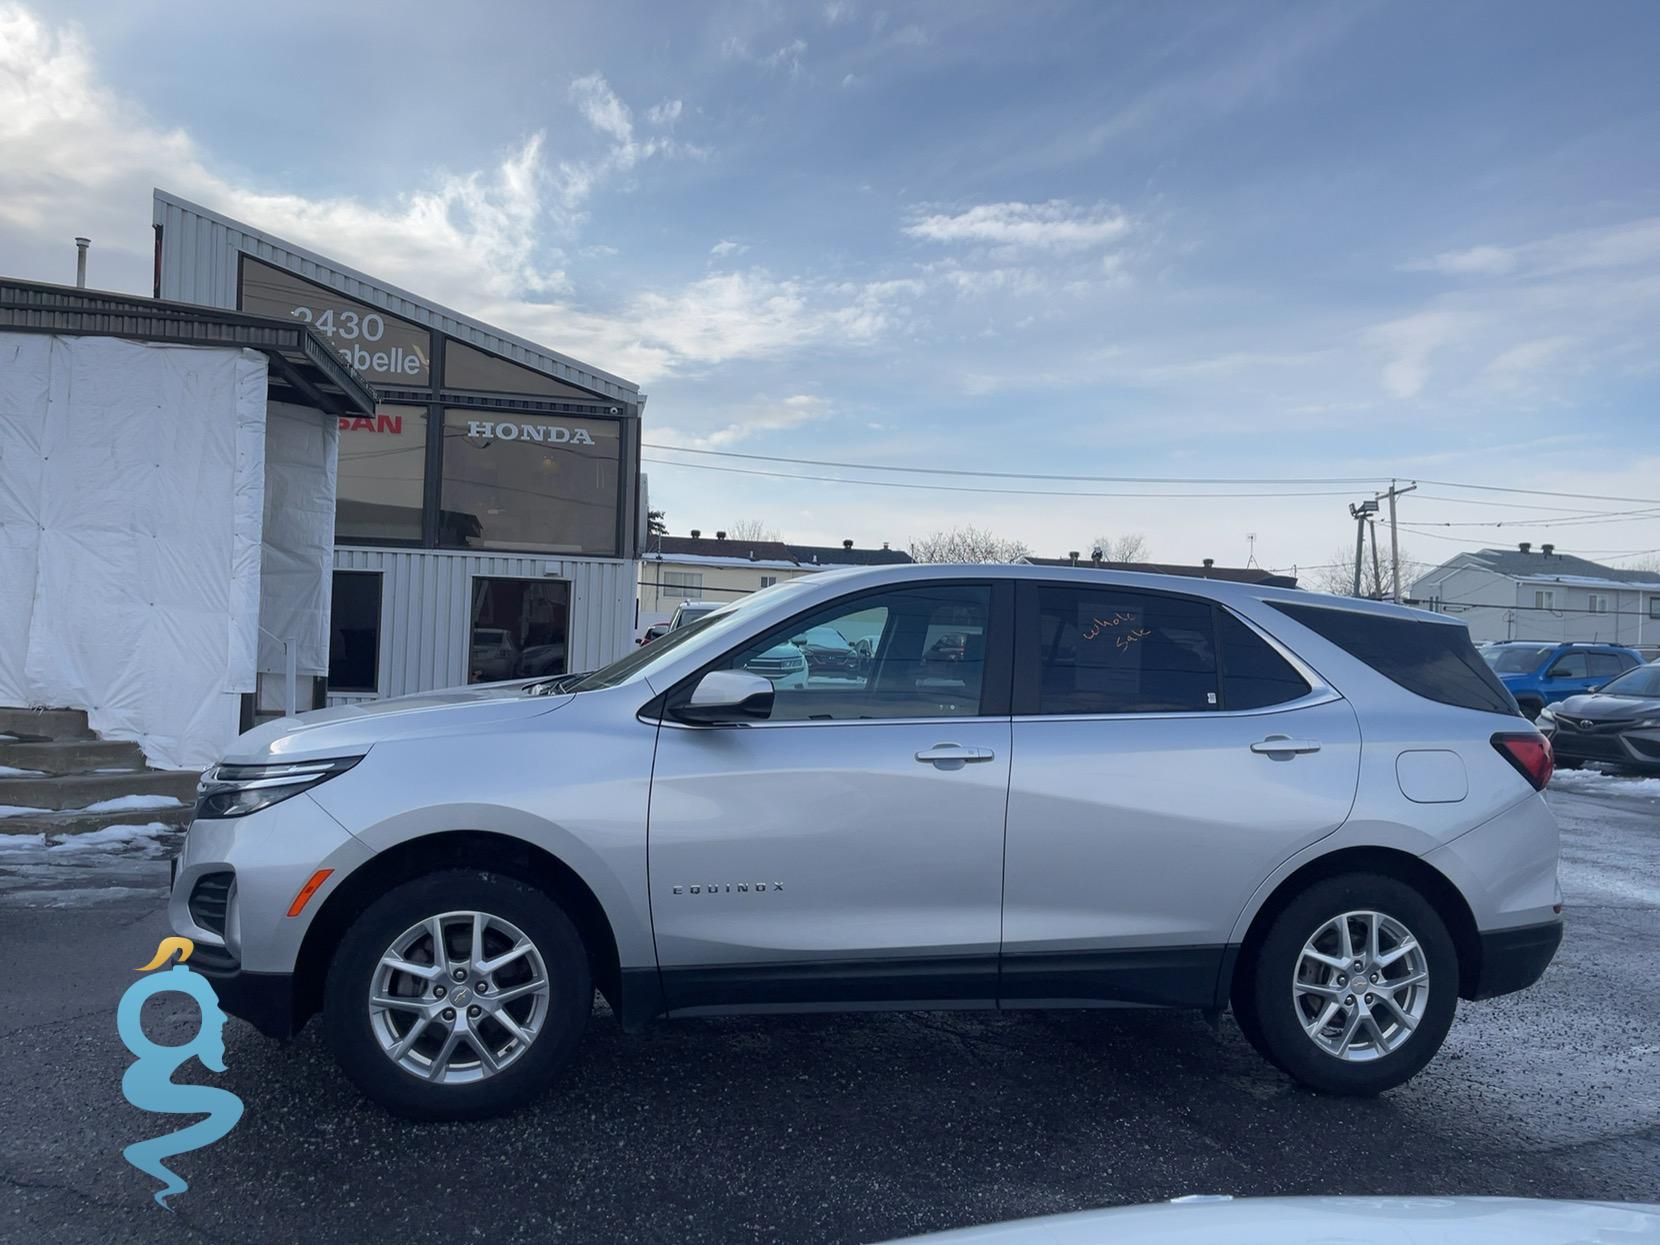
1231	574
1535	565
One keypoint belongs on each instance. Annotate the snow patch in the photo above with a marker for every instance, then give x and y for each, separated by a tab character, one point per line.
21	843
108	836
122	803
20	810
1603	783
11	771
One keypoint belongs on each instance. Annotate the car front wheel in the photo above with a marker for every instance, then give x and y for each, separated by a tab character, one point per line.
1355	985
458	995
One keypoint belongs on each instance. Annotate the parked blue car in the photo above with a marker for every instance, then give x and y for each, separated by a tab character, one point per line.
1542	674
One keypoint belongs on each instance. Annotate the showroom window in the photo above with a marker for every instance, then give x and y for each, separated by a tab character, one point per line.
1103	650
382	470
354	632
905	653
520	628
535	482
382	348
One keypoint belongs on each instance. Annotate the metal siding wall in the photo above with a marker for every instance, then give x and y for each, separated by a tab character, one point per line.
426	597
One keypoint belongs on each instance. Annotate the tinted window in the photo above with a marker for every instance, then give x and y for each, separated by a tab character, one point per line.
1604	665
354	632
1644	681
906	653
1105	650
382	471
519	628
1434	660
1571	666
1515	660
1253	674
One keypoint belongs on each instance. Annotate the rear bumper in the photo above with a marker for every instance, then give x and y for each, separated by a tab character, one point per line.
1513	959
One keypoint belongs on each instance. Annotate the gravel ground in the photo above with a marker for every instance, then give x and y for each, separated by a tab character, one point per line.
832	1128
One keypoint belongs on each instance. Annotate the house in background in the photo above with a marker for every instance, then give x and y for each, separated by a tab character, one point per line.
696	568
1538	594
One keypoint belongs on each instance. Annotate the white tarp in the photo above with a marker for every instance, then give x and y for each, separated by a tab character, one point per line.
297	555
131	505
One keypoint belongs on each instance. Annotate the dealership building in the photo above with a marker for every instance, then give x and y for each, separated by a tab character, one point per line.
488	512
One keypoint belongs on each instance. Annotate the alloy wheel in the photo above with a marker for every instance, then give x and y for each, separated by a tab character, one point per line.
458	997
1361	986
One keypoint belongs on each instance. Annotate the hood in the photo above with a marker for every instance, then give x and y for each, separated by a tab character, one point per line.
347	729
1600	707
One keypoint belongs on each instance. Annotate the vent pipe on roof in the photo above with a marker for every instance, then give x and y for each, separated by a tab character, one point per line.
1095	556
1072	554
847	544
697	533
81	245
1525	546
1209	562
1547	550
720	535
884	544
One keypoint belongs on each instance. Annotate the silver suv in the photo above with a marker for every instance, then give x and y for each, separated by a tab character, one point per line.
1035	789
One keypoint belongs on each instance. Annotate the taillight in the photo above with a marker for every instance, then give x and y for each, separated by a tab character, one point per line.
1530	754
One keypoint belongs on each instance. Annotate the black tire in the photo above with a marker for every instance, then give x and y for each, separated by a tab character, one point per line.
346	1017
1245	1016
1276	1012
1563	762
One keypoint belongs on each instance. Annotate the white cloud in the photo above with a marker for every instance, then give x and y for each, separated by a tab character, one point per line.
837	11
76	151
1057	225
727	247
851	80
786	59
758	417
1410	342
1481	261
665	113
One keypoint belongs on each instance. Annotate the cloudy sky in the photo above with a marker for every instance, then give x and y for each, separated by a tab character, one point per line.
1315	242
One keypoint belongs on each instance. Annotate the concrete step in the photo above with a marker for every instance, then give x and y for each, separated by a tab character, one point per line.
76	791
72	756
57	825
45	723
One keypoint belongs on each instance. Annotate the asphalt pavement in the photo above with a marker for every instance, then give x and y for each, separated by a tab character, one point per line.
825	1128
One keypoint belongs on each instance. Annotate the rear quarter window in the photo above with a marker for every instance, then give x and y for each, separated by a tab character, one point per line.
1433	660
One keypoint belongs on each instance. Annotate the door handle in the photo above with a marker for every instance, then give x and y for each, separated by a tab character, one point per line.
953	756
1284	745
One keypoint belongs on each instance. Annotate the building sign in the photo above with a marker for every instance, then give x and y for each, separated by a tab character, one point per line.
384	349
550	434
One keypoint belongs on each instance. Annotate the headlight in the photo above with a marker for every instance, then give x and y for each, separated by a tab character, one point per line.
237	790
1547	713
1648	724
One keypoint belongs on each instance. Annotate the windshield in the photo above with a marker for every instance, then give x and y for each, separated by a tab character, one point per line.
641	661
1643	681
1514	660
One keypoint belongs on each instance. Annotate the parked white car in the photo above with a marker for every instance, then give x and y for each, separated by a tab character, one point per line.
1047	788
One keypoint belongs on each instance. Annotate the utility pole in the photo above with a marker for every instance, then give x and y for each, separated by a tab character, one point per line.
1359	513
1377	574
1394	540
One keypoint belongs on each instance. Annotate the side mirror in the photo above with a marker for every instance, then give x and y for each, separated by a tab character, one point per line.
727	696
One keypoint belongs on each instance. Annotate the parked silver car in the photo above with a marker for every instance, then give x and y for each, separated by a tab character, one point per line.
1129	790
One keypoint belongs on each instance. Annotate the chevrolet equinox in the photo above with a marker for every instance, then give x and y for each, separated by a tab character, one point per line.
1035	789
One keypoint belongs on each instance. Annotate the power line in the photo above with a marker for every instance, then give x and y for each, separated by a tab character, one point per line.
1015	475
966	488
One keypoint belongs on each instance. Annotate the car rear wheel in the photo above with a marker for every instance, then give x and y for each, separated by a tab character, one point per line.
1355	985
458	995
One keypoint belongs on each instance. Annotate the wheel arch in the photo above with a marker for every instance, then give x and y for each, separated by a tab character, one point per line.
452	849
1429	881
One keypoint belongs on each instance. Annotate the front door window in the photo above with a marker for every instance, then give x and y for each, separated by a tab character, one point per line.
519	629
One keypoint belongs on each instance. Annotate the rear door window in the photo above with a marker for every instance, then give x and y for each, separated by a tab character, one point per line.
1607	665
1432	659
1254	676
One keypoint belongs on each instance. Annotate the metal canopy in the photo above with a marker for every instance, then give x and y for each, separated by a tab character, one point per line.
304	368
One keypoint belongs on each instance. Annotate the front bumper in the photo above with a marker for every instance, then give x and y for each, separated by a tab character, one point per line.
1619	743
233	883
1513	959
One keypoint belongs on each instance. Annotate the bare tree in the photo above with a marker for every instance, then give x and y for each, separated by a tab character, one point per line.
1128	547
752	529
967	544
1337	575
